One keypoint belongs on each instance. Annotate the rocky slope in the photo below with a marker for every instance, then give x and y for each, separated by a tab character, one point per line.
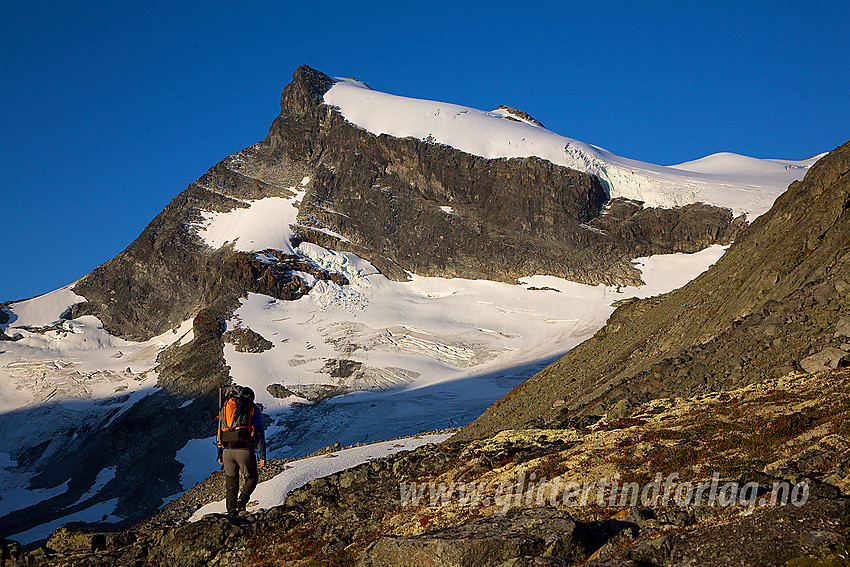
774	300
791	430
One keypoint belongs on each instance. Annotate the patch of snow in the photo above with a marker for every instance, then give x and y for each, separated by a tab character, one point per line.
198	460
149	388
592	228
336	235
447	210
265	223
298	473
102	479
745	185
100	512
661	273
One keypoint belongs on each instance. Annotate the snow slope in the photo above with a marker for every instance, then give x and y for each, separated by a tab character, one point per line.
63	379
261	224
749	186
416	334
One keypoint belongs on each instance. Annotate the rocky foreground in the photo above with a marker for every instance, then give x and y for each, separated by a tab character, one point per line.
504	500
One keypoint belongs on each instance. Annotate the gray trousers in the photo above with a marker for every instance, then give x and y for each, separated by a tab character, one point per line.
236	461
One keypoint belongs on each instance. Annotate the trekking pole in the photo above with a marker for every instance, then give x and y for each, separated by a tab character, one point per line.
218	421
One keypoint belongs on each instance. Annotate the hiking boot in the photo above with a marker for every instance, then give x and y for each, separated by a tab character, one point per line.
241	505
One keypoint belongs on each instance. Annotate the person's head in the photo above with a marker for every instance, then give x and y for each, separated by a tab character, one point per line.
237	391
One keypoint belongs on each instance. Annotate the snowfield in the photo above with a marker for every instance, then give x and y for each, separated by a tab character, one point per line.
743	184
416	334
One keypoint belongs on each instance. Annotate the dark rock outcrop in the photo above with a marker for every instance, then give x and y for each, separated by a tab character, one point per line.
246	340
519	113
775	536
775	298
14	337
279	391
199	365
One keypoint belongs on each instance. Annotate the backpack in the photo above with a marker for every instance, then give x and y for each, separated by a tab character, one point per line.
236	419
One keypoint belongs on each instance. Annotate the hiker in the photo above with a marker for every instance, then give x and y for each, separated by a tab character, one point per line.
240	434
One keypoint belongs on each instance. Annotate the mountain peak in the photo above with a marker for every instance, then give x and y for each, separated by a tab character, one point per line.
307	88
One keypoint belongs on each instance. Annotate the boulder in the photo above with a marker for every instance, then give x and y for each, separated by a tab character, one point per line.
842	329
66	541
488	541
829	358
213	539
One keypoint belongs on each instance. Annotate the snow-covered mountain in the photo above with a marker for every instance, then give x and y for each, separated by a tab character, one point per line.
744	184
324	261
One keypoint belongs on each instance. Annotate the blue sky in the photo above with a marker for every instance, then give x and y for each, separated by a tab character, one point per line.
111	109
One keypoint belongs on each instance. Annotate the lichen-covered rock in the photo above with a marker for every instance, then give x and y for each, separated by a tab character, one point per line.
67	541
10	553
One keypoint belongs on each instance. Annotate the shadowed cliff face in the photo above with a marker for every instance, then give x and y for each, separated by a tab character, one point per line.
407	205
773	300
